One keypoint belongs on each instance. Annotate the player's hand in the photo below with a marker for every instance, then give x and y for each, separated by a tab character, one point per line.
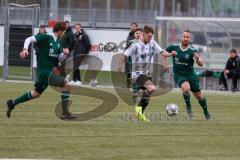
197	57
66	51
166	68
173	53
56	70
226	72
24	53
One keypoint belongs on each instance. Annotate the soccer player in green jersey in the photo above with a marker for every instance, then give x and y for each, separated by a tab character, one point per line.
184	76
50	52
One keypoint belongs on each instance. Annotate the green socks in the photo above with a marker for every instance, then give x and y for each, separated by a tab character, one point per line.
28	96
186	97
65	99
23	98
203	104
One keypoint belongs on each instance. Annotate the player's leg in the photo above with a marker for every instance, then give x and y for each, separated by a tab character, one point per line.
40	86
183	83
203	103
149	88
25	97
185	86
196	90
66	114
59	81
135	89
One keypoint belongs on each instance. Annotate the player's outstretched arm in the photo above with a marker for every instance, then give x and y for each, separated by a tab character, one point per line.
164	62
198	60
27	42
167	54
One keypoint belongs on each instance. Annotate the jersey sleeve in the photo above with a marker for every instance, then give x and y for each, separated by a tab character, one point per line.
41	37
28	41
129	44
157	48
194	51
130	50
169	48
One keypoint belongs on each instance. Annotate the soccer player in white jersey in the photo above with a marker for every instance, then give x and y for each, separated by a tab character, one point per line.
142	53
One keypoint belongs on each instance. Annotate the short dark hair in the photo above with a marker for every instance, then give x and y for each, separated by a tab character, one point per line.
138	29
66	22
148	29
41	27
233	50
188	31
77	24
134	23
59	26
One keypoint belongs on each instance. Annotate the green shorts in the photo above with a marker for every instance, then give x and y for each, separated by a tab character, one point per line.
47	77
192	79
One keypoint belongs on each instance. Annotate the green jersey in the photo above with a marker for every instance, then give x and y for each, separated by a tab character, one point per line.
49	49
183	61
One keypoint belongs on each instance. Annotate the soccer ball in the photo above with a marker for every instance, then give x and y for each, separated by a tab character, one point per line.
172	109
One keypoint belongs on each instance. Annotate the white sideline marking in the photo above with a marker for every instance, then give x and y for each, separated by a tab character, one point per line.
102	86
22	159
15	81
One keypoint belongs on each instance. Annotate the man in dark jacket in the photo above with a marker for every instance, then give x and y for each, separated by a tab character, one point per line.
232	70
68	38
81	47
133	27
128	63
67	42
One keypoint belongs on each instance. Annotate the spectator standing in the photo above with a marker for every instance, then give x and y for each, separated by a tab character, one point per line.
68	38
81	48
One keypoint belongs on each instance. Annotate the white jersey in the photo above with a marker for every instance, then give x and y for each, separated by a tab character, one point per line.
142	56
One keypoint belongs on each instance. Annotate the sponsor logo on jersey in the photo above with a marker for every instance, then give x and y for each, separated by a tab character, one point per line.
51	53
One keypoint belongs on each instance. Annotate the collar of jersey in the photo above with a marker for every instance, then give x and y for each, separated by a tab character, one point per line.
54	37
180	46
143	42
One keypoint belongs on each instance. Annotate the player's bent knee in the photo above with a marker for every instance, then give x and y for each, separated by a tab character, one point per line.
67	87
35	94
152	88
185	89
185	86
198	95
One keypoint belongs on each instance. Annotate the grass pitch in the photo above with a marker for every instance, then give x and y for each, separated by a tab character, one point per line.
34	131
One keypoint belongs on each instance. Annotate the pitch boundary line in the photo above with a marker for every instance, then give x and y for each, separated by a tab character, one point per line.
102	86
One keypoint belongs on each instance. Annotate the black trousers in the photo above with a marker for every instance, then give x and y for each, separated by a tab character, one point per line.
76	63
233	75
